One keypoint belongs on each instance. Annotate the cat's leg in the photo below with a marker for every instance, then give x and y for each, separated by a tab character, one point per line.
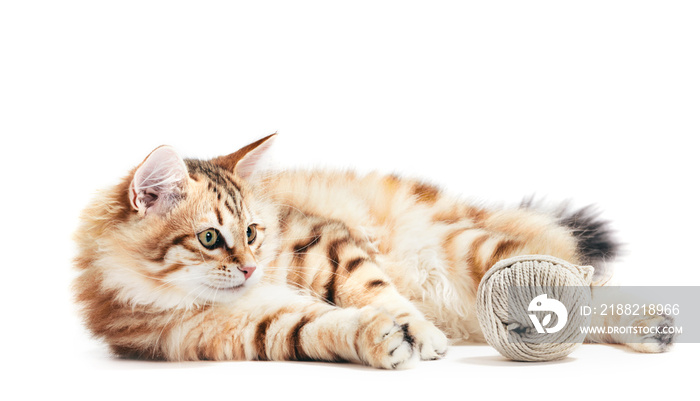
275	323
340	267
621	318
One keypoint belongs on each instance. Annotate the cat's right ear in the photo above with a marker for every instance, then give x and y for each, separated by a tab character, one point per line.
159	182
244	162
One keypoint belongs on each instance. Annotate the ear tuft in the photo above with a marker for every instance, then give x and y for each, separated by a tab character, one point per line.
245	161
159	182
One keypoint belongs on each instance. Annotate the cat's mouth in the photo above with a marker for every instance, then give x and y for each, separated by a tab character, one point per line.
227	288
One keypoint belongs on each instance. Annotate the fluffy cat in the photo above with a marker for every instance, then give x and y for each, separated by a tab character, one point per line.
192	259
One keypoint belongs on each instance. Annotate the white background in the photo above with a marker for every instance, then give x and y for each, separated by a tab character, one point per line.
595	101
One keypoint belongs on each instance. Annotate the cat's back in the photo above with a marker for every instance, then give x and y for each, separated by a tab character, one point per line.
370	201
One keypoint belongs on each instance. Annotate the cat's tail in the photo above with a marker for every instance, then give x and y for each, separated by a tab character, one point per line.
597	242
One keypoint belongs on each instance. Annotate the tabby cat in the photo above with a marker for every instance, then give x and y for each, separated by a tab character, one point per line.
192	260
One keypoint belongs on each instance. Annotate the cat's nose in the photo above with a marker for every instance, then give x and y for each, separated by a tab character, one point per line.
247	270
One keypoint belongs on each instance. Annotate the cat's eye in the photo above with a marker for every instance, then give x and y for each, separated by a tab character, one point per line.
209	238
251	233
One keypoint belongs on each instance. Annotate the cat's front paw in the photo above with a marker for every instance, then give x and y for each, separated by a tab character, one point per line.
431	342
383	343
651	334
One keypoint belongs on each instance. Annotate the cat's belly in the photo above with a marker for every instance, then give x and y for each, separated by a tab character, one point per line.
446	298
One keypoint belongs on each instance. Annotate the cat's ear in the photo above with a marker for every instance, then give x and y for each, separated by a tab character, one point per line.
244	161
159	182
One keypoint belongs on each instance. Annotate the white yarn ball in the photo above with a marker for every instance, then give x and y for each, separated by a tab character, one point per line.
509	329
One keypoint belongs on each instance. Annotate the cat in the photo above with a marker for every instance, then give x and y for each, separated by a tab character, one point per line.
191	259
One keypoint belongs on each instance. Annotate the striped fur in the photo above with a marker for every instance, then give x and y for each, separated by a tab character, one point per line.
370	269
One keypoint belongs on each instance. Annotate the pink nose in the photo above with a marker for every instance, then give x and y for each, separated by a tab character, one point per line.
247	271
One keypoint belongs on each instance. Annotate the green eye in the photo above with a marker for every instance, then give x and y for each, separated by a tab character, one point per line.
251	233
209	238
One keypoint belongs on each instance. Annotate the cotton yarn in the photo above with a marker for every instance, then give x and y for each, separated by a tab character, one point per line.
511	330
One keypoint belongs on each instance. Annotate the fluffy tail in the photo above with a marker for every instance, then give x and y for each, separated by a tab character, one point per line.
597	244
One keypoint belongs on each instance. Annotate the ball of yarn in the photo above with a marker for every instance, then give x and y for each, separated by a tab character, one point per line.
508	290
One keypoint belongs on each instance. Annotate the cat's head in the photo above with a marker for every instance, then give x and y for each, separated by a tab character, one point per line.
179	232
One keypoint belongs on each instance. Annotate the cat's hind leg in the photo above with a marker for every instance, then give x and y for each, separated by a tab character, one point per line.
578	238
621	318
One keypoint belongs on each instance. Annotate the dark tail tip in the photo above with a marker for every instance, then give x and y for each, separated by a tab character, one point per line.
596	238
597	242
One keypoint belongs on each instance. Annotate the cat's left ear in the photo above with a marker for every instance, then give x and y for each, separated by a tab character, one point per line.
245	161
159	182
